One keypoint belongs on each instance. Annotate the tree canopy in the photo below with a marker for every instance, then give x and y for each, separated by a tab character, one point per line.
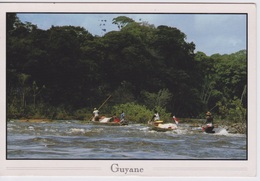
67	68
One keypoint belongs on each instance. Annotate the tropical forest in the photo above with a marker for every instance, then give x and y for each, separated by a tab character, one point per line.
65	72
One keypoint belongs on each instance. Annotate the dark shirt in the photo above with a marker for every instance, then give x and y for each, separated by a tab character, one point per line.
209	119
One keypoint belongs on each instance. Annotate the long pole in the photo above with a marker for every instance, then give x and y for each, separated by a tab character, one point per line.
104	102
213	107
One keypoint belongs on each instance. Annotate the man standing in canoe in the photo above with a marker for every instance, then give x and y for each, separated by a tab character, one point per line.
122	117
208	128
156	116
96	114
209	118
175	120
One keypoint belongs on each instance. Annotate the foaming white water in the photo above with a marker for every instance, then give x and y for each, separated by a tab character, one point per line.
221	131
181	131
31	128
134	141
196	129
77	130
144	129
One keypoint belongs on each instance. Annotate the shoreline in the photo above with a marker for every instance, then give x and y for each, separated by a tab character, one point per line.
35	120
233	128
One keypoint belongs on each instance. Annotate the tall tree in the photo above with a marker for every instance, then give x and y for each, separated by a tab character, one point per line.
122	21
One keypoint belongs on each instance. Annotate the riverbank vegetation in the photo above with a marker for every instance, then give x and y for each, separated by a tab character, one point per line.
64	72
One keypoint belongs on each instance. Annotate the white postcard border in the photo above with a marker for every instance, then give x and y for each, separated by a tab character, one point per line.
161	168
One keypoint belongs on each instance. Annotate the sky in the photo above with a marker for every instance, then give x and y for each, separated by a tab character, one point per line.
211	33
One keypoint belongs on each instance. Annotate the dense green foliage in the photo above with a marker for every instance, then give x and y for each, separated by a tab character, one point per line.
59	72
139	113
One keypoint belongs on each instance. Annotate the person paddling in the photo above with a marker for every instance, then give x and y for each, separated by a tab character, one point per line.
116	119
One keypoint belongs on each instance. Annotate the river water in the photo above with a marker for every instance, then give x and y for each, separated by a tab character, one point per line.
77	140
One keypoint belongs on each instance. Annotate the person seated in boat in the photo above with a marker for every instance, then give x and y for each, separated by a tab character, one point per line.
116	119
96	114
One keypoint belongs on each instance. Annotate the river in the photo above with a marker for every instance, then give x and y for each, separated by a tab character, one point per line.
77	140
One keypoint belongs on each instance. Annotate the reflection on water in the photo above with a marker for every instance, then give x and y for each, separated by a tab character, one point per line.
75	140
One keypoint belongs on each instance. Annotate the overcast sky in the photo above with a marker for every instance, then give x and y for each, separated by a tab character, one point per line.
211	33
